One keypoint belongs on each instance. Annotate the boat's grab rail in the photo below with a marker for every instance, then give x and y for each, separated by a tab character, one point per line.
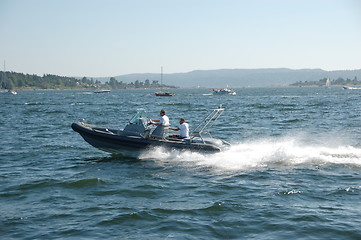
207	123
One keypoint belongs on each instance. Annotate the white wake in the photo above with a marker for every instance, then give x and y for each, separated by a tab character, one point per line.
284	152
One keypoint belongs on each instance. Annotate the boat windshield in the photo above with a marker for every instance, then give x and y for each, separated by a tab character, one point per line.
141	113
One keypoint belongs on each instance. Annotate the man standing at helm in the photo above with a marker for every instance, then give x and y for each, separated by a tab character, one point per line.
163	121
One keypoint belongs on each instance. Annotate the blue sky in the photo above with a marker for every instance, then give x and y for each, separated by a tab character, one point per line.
97	38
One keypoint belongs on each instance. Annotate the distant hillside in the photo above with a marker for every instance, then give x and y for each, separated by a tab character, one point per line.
239	77
14	80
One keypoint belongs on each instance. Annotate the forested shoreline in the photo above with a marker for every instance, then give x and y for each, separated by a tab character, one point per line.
14	80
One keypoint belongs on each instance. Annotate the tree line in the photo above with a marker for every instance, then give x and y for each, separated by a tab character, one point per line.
13	80
322	82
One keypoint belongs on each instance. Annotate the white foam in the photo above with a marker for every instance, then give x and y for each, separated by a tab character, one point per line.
272	152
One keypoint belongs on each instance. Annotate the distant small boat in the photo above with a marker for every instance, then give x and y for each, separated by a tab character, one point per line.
328	83
13	92
164	94
102	91
224	91
161	93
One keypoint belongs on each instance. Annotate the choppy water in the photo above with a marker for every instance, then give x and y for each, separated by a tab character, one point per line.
293	170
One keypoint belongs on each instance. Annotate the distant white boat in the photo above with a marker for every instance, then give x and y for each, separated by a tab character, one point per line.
328	83
224	91
13	92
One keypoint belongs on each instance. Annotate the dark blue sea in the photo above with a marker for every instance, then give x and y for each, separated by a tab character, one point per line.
293	171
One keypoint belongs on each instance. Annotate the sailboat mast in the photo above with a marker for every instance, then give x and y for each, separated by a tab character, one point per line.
161	78
3	80
161	93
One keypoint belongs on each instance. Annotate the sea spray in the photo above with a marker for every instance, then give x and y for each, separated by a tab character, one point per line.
263	153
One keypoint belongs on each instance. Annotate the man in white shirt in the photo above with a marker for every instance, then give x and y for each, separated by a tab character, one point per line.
163	121
183	128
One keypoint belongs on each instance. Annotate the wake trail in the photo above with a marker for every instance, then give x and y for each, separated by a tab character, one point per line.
283	152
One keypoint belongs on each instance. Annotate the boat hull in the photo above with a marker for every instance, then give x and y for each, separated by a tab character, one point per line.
162	94
112	141
224	91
